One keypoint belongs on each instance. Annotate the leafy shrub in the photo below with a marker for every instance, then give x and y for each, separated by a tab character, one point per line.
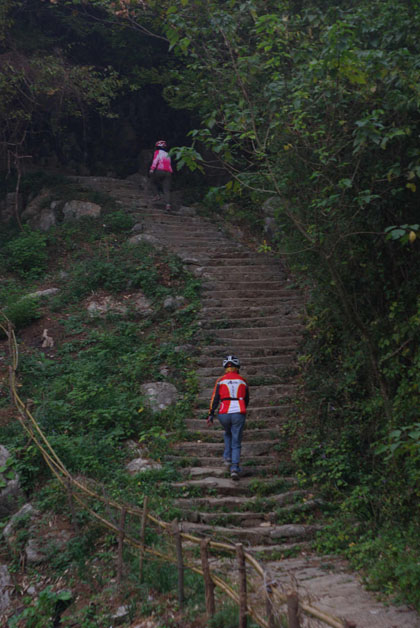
23	312
119	222
27	254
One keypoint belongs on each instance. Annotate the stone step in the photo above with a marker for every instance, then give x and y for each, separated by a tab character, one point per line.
249	449
222	471
285	352
250	371
226	303
245	257
228	295
263	535
258	345
261	285
215	433
249	518
239	502
243	503
256	333
209	322
246	486
200	425
251	465
251	363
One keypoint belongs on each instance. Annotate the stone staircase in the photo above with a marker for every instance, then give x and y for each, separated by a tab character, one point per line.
251	309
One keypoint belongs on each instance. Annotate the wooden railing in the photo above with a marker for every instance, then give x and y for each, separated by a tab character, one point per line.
223	566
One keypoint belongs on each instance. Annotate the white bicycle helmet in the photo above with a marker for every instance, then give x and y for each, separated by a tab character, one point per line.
161	144
232	360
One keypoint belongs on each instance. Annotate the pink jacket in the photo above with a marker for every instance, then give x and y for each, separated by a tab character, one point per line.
161	161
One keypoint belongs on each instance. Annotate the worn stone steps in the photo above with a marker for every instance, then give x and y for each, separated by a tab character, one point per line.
209	322
251	362
254	503
257	333
198	425
249	448
252	372
248	517
263	535
251	434
252	465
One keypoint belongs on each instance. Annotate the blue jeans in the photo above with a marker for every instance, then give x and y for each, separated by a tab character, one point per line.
233	424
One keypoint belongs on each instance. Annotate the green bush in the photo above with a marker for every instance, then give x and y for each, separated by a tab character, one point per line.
27	254
23	312
118	222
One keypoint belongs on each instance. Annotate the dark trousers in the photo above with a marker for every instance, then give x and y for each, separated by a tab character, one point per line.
160	180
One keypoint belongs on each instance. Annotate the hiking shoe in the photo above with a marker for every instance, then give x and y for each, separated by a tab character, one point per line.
156	198
227	462
234	475
168	207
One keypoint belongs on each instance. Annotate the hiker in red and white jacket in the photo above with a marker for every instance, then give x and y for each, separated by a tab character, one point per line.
161	173
231	393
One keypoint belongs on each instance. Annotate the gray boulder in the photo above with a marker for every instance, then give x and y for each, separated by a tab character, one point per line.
39	549
144	237
26	512
11	493
100	306
40	294
173	303
5	586
73	210
139	465
159	395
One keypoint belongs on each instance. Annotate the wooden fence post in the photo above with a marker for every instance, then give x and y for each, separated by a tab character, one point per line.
293	609
243	602
142	535
208	582
180	562
121	535
269	606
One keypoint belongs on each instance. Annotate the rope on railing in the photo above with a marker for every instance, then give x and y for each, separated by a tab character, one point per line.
81	492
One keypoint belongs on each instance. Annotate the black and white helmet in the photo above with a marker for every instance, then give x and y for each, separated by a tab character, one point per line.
232	360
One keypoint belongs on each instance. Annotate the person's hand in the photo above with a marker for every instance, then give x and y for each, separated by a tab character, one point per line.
151	171
210	420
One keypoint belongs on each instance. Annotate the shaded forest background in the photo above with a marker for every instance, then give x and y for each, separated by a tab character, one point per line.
313	106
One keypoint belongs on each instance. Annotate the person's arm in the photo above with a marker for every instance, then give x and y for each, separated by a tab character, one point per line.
246	396
154	162
214	403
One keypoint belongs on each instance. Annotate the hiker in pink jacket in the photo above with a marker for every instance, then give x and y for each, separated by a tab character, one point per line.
161	172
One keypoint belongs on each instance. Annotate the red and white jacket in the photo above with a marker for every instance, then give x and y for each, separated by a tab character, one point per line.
231	392
161	161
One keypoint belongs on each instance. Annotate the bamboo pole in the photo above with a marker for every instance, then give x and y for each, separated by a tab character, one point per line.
293	609
121	535
142	535
179	561
208	582
243	603
70	501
